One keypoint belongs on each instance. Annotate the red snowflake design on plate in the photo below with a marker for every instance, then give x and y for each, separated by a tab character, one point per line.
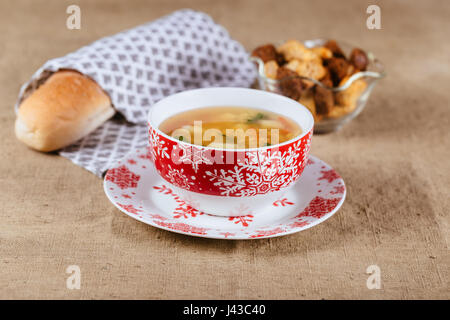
283	202
266	233
329	175
163	189
299	224
242	219
126	196
182	227
183	210
129	208
123	177
338	190
318	207
157	217
147	155
132	161
310	162
227	234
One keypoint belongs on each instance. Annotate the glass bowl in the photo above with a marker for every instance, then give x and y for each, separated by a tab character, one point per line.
374	72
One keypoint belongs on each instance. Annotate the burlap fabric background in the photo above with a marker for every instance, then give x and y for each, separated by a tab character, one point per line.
394	158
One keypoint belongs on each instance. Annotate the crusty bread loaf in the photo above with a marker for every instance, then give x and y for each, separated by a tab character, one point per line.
67	107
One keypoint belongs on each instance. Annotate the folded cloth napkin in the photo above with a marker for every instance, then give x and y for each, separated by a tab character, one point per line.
138	67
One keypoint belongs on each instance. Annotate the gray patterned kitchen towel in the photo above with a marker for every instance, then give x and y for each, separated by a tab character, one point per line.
138	67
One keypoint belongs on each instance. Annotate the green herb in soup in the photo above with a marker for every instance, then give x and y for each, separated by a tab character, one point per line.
231	127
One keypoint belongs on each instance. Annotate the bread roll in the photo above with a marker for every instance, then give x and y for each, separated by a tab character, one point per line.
67	107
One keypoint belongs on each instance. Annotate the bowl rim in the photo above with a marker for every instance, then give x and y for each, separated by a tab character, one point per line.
248	90
317	42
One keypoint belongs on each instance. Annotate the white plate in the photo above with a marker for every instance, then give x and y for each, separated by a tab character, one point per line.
135	188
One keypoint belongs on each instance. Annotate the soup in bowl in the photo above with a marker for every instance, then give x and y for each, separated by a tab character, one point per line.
229	151
231	127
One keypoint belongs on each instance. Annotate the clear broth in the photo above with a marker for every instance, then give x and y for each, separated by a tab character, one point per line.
231	127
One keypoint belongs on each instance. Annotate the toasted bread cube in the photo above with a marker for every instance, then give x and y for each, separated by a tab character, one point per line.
349	97
270	69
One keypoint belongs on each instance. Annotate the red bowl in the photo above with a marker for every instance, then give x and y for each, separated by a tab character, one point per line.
219	181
